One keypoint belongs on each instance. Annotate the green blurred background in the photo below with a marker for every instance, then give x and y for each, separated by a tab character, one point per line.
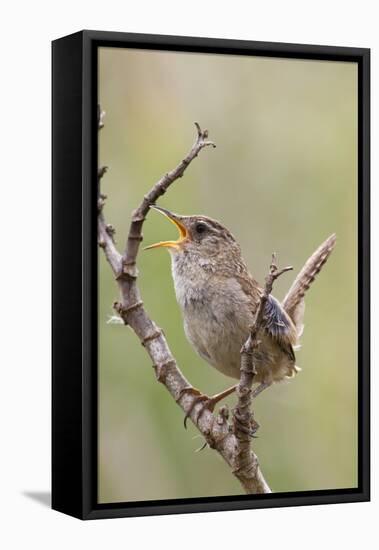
282	178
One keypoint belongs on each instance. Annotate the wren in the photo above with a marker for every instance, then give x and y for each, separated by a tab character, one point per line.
219	297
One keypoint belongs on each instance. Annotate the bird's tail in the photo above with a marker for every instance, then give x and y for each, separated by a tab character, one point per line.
293	303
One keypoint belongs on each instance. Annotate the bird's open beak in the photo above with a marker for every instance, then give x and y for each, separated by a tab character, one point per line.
183	233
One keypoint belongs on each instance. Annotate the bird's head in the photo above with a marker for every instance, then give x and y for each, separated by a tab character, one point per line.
199	235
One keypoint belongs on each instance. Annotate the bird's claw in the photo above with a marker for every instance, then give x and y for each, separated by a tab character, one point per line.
254	427
198	398
209	402
208	405
246	428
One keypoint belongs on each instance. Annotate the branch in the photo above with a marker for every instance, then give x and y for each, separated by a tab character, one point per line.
214	428
159	189
244	425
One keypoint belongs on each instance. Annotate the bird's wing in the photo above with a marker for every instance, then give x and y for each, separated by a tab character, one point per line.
279	326
276	321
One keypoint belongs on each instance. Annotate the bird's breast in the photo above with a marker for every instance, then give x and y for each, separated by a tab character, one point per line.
216	314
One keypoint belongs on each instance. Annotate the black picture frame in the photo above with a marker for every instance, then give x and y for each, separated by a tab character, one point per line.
74	271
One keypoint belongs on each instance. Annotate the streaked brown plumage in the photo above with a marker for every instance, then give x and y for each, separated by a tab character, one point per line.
218	298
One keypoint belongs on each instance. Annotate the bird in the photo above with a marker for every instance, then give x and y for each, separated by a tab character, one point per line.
219	297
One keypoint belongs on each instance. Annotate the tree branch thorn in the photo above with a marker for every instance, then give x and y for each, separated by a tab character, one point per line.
223	414
161	370
128	269
124	311
110	230
156	334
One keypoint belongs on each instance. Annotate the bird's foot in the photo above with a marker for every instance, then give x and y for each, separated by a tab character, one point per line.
198	398
209	403
254	427
246	427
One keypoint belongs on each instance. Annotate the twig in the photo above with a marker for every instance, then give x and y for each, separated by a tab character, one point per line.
214	428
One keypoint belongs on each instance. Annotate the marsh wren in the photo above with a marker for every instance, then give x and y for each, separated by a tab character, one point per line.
218	298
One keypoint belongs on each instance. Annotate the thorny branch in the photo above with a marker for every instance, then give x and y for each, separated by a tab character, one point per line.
244	425
231	442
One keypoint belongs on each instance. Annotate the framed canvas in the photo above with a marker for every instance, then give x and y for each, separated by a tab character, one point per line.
258	153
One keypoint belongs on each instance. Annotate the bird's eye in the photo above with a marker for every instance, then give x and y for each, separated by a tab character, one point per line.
200	227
